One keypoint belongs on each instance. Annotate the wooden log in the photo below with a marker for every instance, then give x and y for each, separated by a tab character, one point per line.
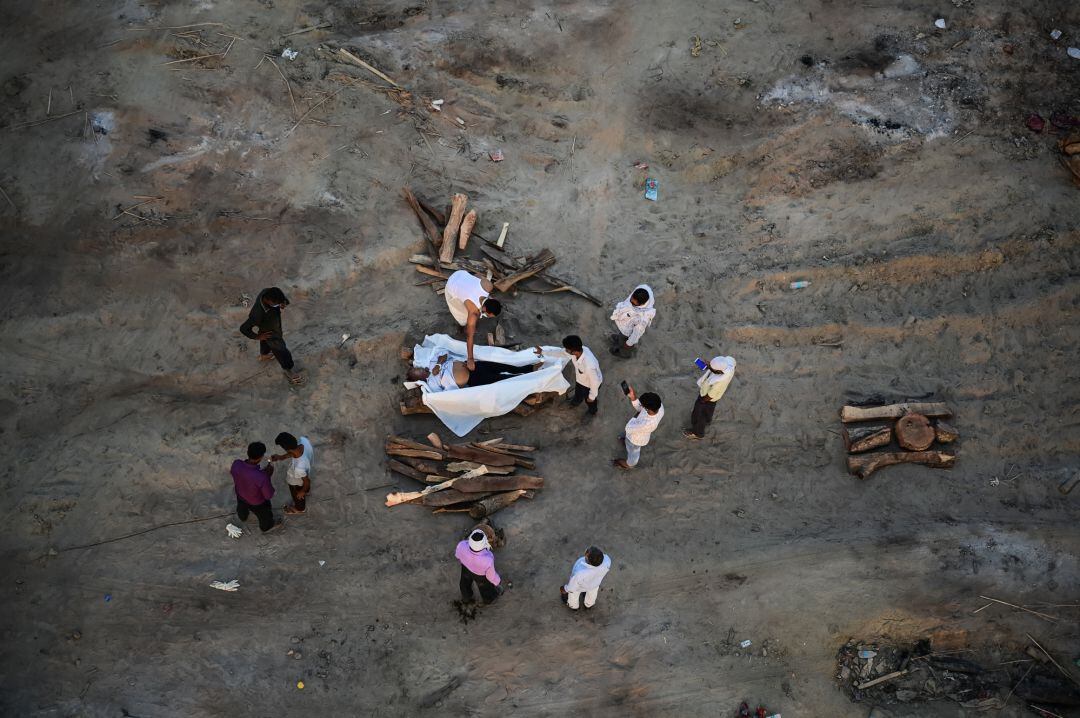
467	225
453	225
415	453
1069	484
536	264
502	235
432	272
487	443
469	453
435	440
876	681
422	259
460	466
373	70
515	447
409	443
426	224
500	450
413	408
945	433
404	497
850	414
914	433
504	259
427	467
492	504
405	470
448	497
864	438
478	484
431	209
864	465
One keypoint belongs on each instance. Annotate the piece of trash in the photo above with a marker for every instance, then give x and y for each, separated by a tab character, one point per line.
867	653
289	53
1055	34
230	586
300	685
745	644
1035	123
322	563
344	338
940	23
650	189
640	166
695	46
437	105
460	121
801	284
108	597
234	531
1074	52
496	156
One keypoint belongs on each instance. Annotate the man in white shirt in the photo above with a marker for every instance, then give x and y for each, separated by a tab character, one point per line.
587	375
298	477
712	384
640	428
585	577
469	298
632	317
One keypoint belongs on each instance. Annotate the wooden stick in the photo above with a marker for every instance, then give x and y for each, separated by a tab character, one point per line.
42	122
467	225
402	497
286	81
515	447
1013	605
1047	654
5	194
453	224
537	264
408	443
489	442
301	31
140	204
892	411
435	440
328	97
430	272
882	679
357	61
502	235
430	231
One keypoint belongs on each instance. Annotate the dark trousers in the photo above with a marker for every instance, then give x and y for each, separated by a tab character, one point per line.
701	415
488	591
581	394
262	511
276	346
300	504
489	372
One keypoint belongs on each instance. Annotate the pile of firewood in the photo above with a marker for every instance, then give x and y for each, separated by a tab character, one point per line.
450	231
915	427
478	478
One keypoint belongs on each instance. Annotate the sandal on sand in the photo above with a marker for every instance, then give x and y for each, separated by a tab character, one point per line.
293	511
691	435
296	379
266	357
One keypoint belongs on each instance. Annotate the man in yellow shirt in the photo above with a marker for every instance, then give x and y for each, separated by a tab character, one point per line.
711	386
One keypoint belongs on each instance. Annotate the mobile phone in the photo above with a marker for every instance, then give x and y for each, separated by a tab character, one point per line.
625	387
701	364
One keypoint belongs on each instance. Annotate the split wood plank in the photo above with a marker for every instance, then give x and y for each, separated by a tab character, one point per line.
851	414
490	505
860	439
881	679
477	484
467	225
866	464
489	458
370	68
945	433
408	443
430	231
455	467
535	265
453	225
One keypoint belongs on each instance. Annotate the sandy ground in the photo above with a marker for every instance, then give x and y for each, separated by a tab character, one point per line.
939	235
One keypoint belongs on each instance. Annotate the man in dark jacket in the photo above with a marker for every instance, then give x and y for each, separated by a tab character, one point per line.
266	317
253	487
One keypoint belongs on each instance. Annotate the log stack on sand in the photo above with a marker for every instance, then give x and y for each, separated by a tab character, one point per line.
479	478
915	426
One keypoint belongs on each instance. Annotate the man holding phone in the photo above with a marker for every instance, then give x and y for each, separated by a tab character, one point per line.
712	384
640	428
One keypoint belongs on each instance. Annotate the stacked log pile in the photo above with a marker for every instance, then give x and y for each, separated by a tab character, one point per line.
914	426
478	478
449	232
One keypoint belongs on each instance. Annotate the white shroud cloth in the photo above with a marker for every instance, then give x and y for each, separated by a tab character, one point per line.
462	409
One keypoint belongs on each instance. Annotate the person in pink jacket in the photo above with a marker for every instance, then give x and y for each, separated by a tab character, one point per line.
478	566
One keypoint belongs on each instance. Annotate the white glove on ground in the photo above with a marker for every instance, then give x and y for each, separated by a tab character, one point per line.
234	531
230	586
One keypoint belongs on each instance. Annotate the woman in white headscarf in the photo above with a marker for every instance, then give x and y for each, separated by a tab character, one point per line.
712	384
632	316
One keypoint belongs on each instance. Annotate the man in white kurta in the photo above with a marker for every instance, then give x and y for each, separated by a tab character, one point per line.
587	374
632	317
638	431
585	578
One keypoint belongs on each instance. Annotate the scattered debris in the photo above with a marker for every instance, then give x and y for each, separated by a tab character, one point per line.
485	481
234	531
496	155
225	586
801	284
1055	34
1069	484
695	46
940	23
289	54
650	189
1074	52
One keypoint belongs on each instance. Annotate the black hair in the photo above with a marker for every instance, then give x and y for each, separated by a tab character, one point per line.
288	441
640	295
275	295
493	306
572	343
594	556
256	450
650	401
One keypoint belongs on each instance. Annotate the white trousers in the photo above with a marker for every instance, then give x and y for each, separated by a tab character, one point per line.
590	598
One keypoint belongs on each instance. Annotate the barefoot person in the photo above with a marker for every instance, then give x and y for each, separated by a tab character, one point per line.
632	317
253	487
469	299
445	375
298	476
712	384
477	566
585	578
265	316
640	428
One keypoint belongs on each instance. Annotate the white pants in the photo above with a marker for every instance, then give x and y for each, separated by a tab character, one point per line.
590	598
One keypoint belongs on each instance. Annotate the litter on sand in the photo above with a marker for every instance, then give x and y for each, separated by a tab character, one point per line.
225	586
650	189
289	54
1074	52
234	531
940	23
496	156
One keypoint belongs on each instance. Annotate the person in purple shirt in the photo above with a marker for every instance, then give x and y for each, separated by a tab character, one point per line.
478	565
253	487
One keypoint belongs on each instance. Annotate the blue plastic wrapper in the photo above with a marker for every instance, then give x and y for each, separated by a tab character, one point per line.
650	189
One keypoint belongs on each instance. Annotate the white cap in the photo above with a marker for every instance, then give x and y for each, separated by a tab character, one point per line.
478	541
722	365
